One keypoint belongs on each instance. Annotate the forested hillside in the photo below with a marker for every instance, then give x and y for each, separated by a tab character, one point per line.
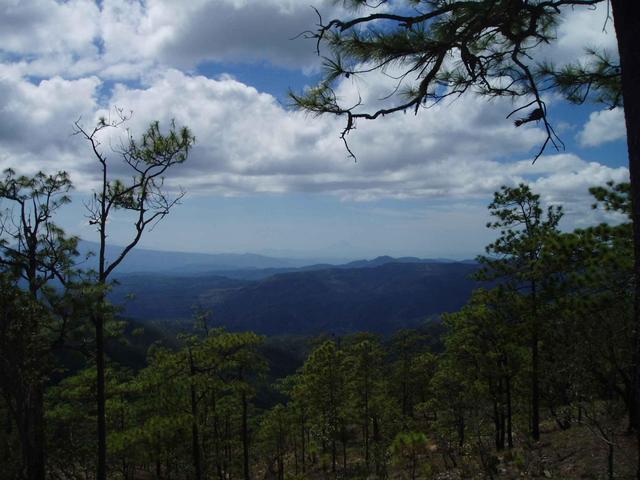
536	360
347	130
379	297
141	261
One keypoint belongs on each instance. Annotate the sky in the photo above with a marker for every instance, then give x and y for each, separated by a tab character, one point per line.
265	178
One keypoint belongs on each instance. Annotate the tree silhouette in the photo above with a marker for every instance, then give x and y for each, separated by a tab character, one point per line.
34	251
147	160
448	48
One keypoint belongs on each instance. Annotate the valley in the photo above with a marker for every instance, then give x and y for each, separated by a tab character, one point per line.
380	295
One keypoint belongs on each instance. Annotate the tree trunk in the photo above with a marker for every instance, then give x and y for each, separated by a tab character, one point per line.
414	462
24	422
333	454
32	434
461	428
535	382
376	443
98	320
509	414
295	455
280	463
245	437
227	446
365	430
343	434
503	416
195	441
302	445
610	459
216	443
626	18
33	445
496	424
100	398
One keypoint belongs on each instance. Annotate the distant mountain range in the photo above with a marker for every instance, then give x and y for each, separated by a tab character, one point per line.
380	295
141	260
342	300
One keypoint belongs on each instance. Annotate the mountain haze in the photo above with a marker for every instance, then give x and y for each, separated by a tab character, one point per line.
140	260
381	295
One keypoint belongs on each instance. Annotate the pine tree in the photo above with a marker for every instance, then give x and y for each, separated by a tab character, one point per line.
147	159
494	45
34	253
516	258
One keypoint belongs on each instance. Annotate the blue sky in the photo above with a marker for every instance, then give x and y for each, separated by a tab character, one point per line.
262	177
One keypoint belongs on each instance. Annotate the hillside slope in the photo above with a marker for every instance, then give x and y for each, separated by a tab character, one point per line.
338	300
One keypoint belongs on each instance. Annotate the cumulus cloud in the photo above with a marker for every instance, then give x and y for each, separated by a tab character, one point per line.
584	28
602	127
234	30
565	180
579	30
125	38
36	121
248	143
31	27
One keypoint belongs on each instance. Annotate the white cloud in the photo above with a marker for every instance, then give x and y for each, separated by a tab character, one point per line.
48	27
581	28
124	38
602	127
36	121
233	30
248	143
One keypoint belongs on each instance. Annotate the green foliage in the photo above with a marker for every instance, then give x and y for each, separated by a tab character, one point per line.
24	366
408	449
524	231
145	197
325	384
34	252
34	249
70	417
437	49
273	438
361	405
598	79
613	197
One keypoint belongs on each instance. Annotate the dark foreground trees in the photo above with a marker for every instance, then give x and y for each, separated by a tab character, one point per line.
516	258
360	405
34	323
36	255
144	197
445	48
